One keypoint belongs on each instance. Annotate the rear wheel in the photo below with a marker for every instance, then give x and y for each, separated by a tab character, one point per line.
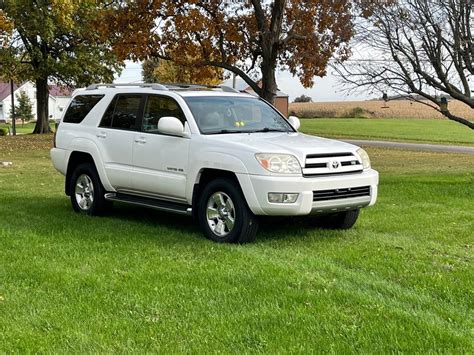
341	220
224	215
87	192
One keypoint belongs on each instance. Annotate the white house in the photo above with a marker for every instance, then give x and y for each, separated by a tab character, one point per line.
58	99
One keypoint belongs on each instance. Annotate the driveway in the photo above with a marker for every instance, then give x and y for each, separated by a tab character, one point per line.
414	146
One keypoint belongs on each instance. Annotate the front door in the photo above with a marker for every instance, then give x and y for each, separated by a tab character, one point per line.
160	161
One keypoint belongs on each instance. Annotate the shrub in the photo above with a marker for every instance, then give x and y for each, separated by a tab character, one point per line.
3	131
359	112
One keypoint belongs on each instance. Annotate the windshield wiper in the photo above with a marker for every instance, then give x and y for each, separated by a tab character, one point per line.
226	131
266	129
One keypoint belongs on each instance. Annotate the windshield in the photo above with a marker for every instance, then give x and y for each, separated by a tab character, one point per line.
219	115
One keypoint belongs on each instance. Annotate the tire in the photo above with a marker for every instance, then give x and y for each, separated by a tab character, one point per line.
87	192
224	215
342	220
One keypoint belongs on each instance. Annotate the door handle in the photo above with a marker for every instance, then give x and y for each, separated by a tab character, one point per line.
101	135
140	140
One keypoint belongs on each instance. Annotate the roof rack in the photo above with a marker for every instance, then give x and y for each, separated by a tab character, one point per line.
164	86
141	85
184	86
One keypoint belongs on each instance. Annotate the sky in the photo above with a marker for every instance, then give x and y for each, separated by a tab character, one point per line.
324	90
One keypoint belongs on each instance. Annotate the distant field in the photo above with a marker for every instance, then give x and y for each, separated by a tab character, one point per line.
426	130
375	109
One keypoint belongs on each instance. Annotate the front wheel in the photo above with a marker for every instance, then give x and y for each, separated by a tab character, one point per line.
341	220
224	215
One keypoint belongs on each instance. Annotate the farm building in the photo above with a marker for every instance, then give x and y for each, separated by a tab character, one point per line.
281	99
58	99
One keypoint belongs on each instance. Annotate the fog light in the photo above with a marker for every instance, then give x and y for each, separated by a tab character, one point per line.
274	197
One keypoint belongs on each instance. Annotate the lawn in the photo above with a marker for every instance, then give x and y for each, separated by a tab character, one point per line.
413	130
139	280
23	129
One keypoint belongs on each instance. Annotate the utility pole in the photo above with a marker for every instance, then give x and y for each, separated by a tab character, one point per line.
13	108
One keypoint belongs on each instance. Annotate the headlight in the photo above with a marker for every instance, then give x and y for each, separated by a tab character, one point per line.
279	163
364	157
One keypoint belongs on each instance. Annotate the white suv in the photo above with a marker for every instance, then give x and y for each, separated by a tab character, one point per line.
222	156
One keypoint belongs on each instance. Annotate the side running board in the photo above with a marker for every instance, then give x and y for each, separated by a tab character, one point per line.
161	205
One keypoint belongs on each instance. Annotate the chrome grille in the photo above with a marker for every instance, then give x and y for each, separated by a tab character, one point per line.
324	195
331	163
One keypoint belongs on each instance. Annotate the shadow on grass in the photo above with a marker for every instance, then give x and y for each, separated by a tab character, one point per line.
55	216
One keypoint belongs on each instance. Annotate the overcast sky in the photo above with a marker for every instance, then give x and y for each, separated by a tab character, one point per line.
324	89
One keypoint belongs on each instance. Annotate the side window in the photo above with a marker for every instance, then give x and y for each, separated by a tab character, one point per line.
157	107
80	106
122	112
109	114
126	111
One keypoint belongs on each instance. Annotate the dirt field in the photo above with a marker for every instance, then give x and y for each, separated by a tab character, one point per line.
375	109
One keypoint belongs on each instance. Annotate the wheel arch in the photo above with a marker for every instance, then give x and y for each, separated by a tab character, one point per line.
206	175
76	158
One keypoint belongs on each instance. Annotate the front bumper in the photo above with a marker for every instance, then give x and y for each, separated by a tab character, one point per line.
257	187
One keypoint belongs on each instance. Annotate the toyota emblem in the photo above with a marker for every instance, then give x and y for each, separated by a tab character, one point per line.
335	164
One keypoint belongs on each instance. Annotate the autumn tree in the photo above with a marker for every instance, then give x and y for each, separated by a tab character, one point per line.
58	41
418	49
249	38
166	71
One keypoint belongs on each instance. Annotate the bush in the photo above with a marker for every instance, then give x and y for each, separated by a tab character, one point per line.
359	112
3	131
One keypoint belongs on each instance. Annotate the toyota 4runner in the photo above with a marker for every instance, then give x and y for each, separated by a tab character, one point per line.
223	156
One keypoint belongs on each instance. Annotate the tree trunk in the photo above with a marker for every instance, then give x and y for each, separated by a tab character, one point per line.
269	87
42	113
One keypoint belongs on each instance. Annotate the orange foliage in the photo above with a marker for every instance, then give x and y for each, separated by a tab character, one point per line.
250	38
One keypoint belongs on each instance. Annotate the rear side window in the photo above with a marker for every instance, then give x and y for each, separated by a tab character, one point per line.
122	112
80	106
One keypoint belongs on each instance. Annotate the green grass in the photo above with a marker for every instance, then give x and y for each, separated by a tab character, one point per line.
412	130
401	280
23	129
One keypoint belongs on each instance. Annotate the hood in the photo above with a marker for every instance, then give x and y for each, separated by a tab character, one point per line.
297	143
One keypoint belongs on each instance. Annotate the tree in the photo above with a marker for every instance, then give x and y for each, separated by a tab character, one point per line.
24	108
249	38
423	47
148	68
303	98
166	71
58	41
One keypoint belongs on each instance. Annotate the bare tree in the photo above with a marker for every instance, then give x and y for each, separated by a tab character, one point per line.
420	47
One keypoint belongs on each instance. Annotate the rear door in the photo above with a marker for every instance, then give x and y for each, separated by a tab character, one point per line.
115	135
160	160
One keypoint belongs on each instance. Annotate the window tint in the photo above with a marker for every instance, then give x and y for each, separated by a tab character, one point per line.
157	107
126	111
109	114
80	106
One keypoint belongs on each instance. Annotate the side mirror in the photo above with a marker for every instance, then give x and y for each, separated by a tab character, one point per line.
170	125
295	122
